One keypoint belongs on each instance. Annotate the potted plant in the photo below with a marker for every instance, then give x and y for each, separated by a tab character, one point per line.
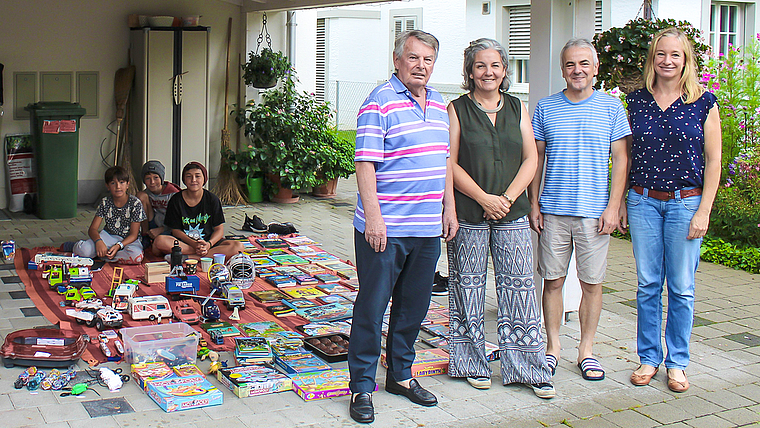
337	161
264	69
291	136
246	165
623	51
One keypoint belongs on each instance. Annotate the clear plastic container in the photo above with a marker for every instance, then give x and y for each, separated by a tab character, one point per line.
174	344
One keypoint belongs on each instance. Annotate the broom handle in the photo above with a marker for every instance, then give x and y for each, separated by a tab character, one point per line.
227	70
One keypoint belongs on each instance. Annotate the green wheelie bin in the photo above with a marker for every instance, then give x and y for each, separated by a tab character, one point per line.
55	130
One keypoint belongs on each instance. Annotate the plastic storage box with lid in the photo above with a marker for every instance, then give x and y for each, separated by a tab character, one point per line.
173	344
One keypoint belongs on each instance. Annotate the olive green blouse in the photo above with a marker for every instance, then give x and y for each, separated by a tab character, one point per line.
491	154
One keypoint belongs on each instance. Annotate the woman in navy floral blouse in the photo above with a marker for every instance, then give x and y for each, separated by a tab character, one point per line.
675	170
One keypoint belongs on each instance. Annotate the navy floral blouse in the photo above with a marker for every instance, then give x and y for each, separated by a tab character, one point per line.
668	146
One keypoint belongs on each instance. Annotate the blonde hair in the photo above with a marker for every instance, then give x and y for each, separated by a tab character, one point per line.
689	83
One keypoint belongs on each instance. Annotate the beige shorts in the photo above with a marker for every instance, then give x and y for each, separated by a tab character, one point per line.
556	242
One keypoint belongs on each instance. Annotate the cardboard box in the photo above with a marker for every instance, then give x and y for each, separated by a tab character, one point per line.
144	372
182	393
247	381
156	272
326	384
427	362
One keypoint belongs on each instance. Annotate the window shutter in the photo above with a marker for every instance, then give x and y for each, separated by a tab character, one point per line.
598	18
321	66
519	31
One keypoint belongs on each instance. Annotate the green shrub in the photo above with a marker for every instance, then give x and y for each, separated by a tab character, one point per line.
719	251
736	212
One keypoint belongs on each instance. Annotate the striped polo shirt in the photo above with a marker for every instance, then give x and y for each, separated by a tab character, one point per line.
409	148
578	137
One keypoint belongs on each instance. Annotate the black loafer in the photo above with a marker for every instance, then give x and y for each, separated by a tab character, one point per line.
415	393
361	408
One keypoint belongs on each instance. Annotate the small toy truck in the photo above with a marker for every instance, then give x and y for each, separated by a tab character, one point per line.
123	293
92	312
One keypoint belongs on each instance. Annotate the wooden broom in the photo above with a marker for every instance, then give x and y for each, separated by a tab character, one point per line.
122	87
227	186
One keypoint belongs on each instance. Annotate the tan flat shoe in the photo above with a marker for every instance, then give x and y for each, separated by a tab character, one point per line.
643	379
678	386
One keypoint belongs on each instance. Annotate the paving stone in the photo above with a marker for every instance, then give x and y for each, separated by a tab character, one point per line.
695	406
741	416
63	412
727	399
14	279
22	417
710	421
31	312
745	338
665	413
630	418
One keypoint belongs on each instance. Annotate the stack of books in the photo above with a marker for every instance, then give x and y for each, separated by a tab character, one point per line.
252	350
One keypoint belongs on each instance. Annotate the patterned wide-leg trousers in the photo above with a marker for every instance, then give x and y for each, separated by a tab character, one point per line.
522	348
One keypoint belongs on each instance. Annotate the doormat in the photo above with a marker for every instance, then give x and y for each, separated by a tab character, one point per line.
107	407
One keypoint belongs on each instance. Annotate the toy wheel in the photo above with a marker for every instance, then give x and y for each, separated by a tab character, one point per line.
218	271
8	363
79	321
90	323
99	324
152	318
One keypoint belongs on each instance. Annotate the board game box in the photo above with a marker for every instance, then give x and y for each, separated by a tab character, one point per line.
144	372
427	362
260	379
182	393
326	384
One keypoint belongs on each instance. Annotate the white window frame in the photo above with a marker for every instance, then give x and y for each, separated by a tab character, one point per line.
716	35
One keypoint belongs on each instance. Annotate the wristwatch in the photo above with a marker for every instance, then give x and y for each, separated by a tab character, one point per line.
120	244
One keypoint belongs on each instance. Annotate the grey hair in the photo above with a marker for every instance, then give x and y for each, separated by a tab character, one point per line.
426	39
469	61
578	43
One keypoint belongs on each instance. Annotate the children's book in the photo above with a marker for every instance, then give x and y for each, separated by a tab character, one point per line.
280	281
265	272
320	257
336	264
268	296
262	262
332	288
311	269
335	298
287	270
328	327
272	243
306	249
289	259
252	346
327	277
347	273
303	292
300	240
351	283
305	279
281	310
261	328
299	303
331	312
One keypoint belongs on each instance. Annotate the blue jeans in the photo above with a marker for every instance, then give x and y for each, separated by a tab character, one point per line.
658	231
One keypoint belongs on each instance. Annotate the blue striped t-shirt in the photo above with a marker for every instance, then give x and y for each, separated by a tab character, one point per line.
409	148
578	137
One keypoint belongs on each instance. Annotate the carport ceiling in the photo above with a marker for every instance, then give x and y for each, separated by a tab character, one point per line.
274	5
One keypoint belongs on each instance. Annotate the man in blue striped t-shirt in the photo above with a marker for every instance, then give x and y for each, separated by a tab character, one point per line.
577	129
405	204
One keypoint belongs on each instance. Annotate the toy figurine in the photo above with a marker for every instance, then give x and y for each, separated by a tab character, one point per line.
215	363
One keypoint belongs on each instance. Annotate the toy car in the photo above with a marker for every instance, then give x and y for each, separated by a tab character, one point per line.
233	294
99	316
186	311
216	337
42	347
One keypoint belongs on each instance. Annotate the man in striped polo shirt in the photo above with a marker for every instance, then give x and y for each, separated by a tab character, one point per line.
577	129
405	204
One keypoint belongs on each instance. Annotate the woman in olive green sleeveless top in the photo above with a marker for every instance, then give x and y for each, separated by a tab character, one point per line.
494	156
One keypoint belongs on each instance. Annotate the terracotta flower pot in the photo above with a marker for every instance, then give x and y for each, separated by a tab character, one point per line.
326	190
282	195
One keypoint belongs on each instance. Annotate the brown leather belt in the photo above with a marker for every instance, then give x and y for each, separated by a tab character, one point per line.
666	196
